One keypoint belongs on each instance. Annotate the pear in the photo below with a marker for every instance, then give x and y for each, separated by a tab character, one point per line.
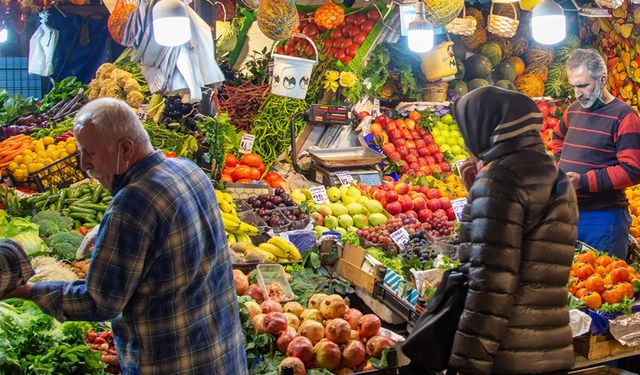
355	208
330	221
334	194
377	219
374	206
345	220
344	190
360	221
338	209
298	196
354	192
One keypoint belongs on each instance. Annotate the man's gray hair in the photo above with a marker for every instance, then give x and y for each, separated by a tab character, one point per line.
591	59
113	119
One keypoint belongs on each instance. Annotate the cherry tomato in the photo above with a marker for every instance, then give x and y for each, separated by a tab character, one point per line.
328	43
359	39
373	14
367	26
346	43
352	50
345	60
346	31
359	18
339	55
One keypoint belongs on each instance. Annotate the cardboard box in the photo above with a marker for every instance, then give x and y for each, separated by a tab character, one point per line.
401	287
350	266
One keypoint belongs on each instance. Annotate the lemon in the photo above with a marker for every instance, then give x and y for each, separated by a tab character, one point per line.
51	147
28	159
63	154
61	144
27	152
71	140
47	161
42	154
38	166
38	146
71	148
13	166
32	167
55	155
48	140
23	166
18	159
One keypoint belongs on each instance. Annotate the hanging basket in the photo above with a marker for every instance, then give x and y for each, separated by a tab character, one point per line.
503	26
464	25
119	17
435	92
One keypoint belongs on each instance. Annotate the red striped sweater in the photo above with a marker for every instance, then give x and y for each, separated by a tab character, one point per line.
603	146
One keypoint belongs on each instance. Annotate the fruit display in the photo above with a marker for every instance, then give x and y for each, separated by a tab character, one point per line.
551	115
602	282
279	211
276	249
633	196
103	342
233	226
437	226
326	334
277	19
298	46
446	135
42	153
249	169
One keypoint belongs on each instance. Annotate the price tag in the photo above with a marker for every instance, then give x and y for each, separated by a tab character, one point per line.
457	166
400	237
246	143
319	194
375	112
142	111
345	178
458	206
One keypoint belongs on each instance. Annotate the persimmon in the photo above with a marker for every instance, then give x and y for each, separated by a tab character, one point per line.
604	260
595	283
619	275
619	264
230	160
584	271
625	289
587	257
581	292
251	159
226	179
241	172
592	300
612	296
600	270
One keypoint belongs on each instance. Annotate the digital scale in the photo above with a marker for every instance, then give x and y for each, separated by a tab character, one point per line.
333	148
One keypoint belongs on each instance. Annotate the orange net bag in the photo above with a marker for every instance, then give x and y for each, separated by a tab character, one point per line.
119	18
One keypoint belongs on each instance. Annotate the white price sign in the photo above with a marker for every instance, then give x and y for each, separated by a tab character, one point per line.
458	206
400	237
143	110
345	178
375	112
319	194
457	166
246	143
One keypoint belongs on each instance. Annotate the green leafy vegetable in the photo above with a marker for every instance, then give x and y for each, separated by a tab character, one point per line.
23	231
61	91
65	244
51	222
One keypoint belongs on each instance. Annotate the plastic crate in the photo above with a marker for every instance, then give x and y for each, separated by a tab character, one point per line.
244	191
248	267
272	279
61	173
442	246
296	224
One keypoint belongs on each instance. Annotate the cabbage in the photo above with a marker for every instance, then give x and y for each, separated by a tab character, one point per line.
24	232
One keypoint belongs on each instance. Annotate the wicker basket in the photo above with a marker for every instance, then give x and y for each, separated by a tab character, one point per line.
462	25
435	92
503	26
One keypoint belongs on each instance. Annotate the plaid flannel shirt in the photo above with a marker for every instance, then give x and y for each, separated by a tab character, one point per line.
162	273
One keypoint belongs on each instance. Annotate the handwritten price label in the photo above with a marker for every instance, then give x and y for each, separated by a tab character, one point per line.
319	194
345	178
376	108
458	206
457	166
143	110
400	237
246	143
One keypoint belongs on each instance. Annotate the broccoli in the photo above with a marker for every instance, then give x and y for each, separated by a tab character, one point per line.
65	244
51	222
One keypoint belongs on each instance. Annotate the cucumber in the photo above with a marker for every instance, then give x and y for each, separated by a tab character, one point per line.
81	210
93	206
90	224
82	217
95	198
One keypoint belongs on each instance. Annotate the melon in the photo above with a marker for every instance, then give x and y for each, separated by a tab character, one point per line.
505	84
538	69
506	45
492	51
477	66
477	83
530	84
518	64
459	87
461	69
504	71
542	55
277	19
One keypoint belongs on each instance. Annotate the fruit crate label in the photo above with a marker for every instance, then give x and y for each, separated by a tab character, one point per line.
319	194
143	110
345	178
458	206
457	166
246	143
400	237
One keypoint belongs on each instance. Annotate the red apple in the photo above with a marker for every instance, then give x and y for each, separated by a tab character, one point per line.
407	204
433	148
379	194
395	156
420	143
424	215
419	203
425	169
411	159
413	151
430	160
394	208
451	215
434	204
428	139
445	203
440	212
446	167
410	144
438	156
423	151
415	166
436	168
391	196
422	161
433	193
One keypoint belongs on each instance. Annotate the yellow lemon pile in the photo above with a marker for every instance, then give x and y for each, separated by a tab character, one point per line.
45	152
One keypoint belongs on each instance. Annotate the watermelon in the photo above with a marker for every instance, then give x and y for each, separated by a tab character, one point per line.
505	84
477	83
477	66
504	71
459	87
493	51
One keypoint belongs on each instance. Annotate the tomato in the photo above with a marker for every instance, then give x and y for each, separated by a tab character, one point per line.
373	14
352	50
262	168
367	26
254	173
359	18
587	257
346	43
620	275
328	43
359	39
240	172
592	300
595	283
271	175
230	160
244	181
251	159
339	55
346	31
310	51
289	48
277	182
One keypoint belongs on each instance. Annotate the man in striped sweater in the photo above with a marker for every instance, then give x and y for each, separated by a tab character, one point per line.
597	143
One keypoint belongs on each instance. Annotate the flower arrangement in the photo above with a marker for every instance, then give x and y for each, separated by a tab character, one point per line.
340	87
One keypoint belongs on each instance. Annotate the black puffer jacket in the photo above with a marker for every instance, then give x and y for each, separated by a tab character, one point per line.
518	234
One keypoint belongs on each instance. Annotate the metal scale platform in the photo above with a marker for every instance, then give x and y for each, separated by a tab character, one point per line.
333	148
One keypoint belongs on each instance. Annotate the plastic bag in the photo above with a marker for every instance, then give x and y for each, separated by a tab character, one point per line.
41	48
119	18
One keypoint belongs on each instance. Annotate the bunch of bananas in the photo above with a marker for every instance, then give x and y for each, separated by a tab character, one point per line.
236	229
275	250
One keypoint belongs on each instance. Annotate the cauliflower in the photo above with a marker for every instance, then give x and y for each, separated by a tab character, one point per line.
51	222
104	71
65	244
134	99
131	85
109	88
120	77
93	93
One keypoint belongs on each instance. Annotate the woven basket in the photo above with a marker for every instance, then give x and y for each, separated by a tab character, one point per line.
503	26
462	26
435	92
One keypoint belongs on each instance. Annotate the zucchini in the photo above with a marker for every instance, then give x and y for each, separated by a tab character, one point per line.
81	210
82	217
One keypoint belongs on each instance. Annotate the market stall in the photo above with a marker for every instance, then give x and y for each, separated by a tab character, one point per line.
334	154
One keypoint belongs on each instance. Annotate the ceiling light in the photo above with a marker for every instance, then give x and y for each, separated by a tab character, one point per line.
548	23
420	34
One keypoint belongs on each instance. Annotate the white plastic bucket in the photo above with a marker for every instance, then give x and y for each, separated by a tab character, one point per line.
291	75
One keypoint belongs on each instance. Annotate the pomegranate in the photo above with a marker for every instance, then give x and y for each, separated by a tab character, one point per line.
294	364
292	320
271	306
275	322
343	371
353	354
376	344
311	314
368	325
253	308
241	281
332	307
258	323
285	338
352	316
367	366
327	354
316	300
354	335
338	331
300	347
312	330
254	291
293	307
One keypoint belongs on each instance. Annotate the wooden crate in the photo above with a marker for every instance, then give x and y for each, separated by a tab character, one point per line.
600	346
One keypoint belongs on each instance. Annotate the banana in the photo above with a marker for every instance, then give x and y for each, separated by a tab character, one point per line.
231	239
230	217
238	247
273	249
248	229
242	238
255	254
283	260
226	207
286	246
227	197
229	225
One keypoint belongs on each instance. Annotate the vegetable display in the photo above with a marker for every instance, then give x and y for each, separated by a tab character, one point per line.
61	91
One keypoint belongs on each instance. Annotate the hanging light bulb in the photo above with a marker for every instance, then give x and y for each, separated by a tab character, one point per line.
171	25
4	34
548	24
420	36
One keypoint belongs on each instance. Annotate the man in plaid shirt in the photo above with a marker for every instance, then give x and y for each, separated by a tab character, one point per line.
160	270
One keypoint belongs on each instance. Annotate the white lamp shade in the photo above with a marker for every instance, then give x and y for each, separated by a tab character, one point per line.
171	25
420	40
4	35
549	29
